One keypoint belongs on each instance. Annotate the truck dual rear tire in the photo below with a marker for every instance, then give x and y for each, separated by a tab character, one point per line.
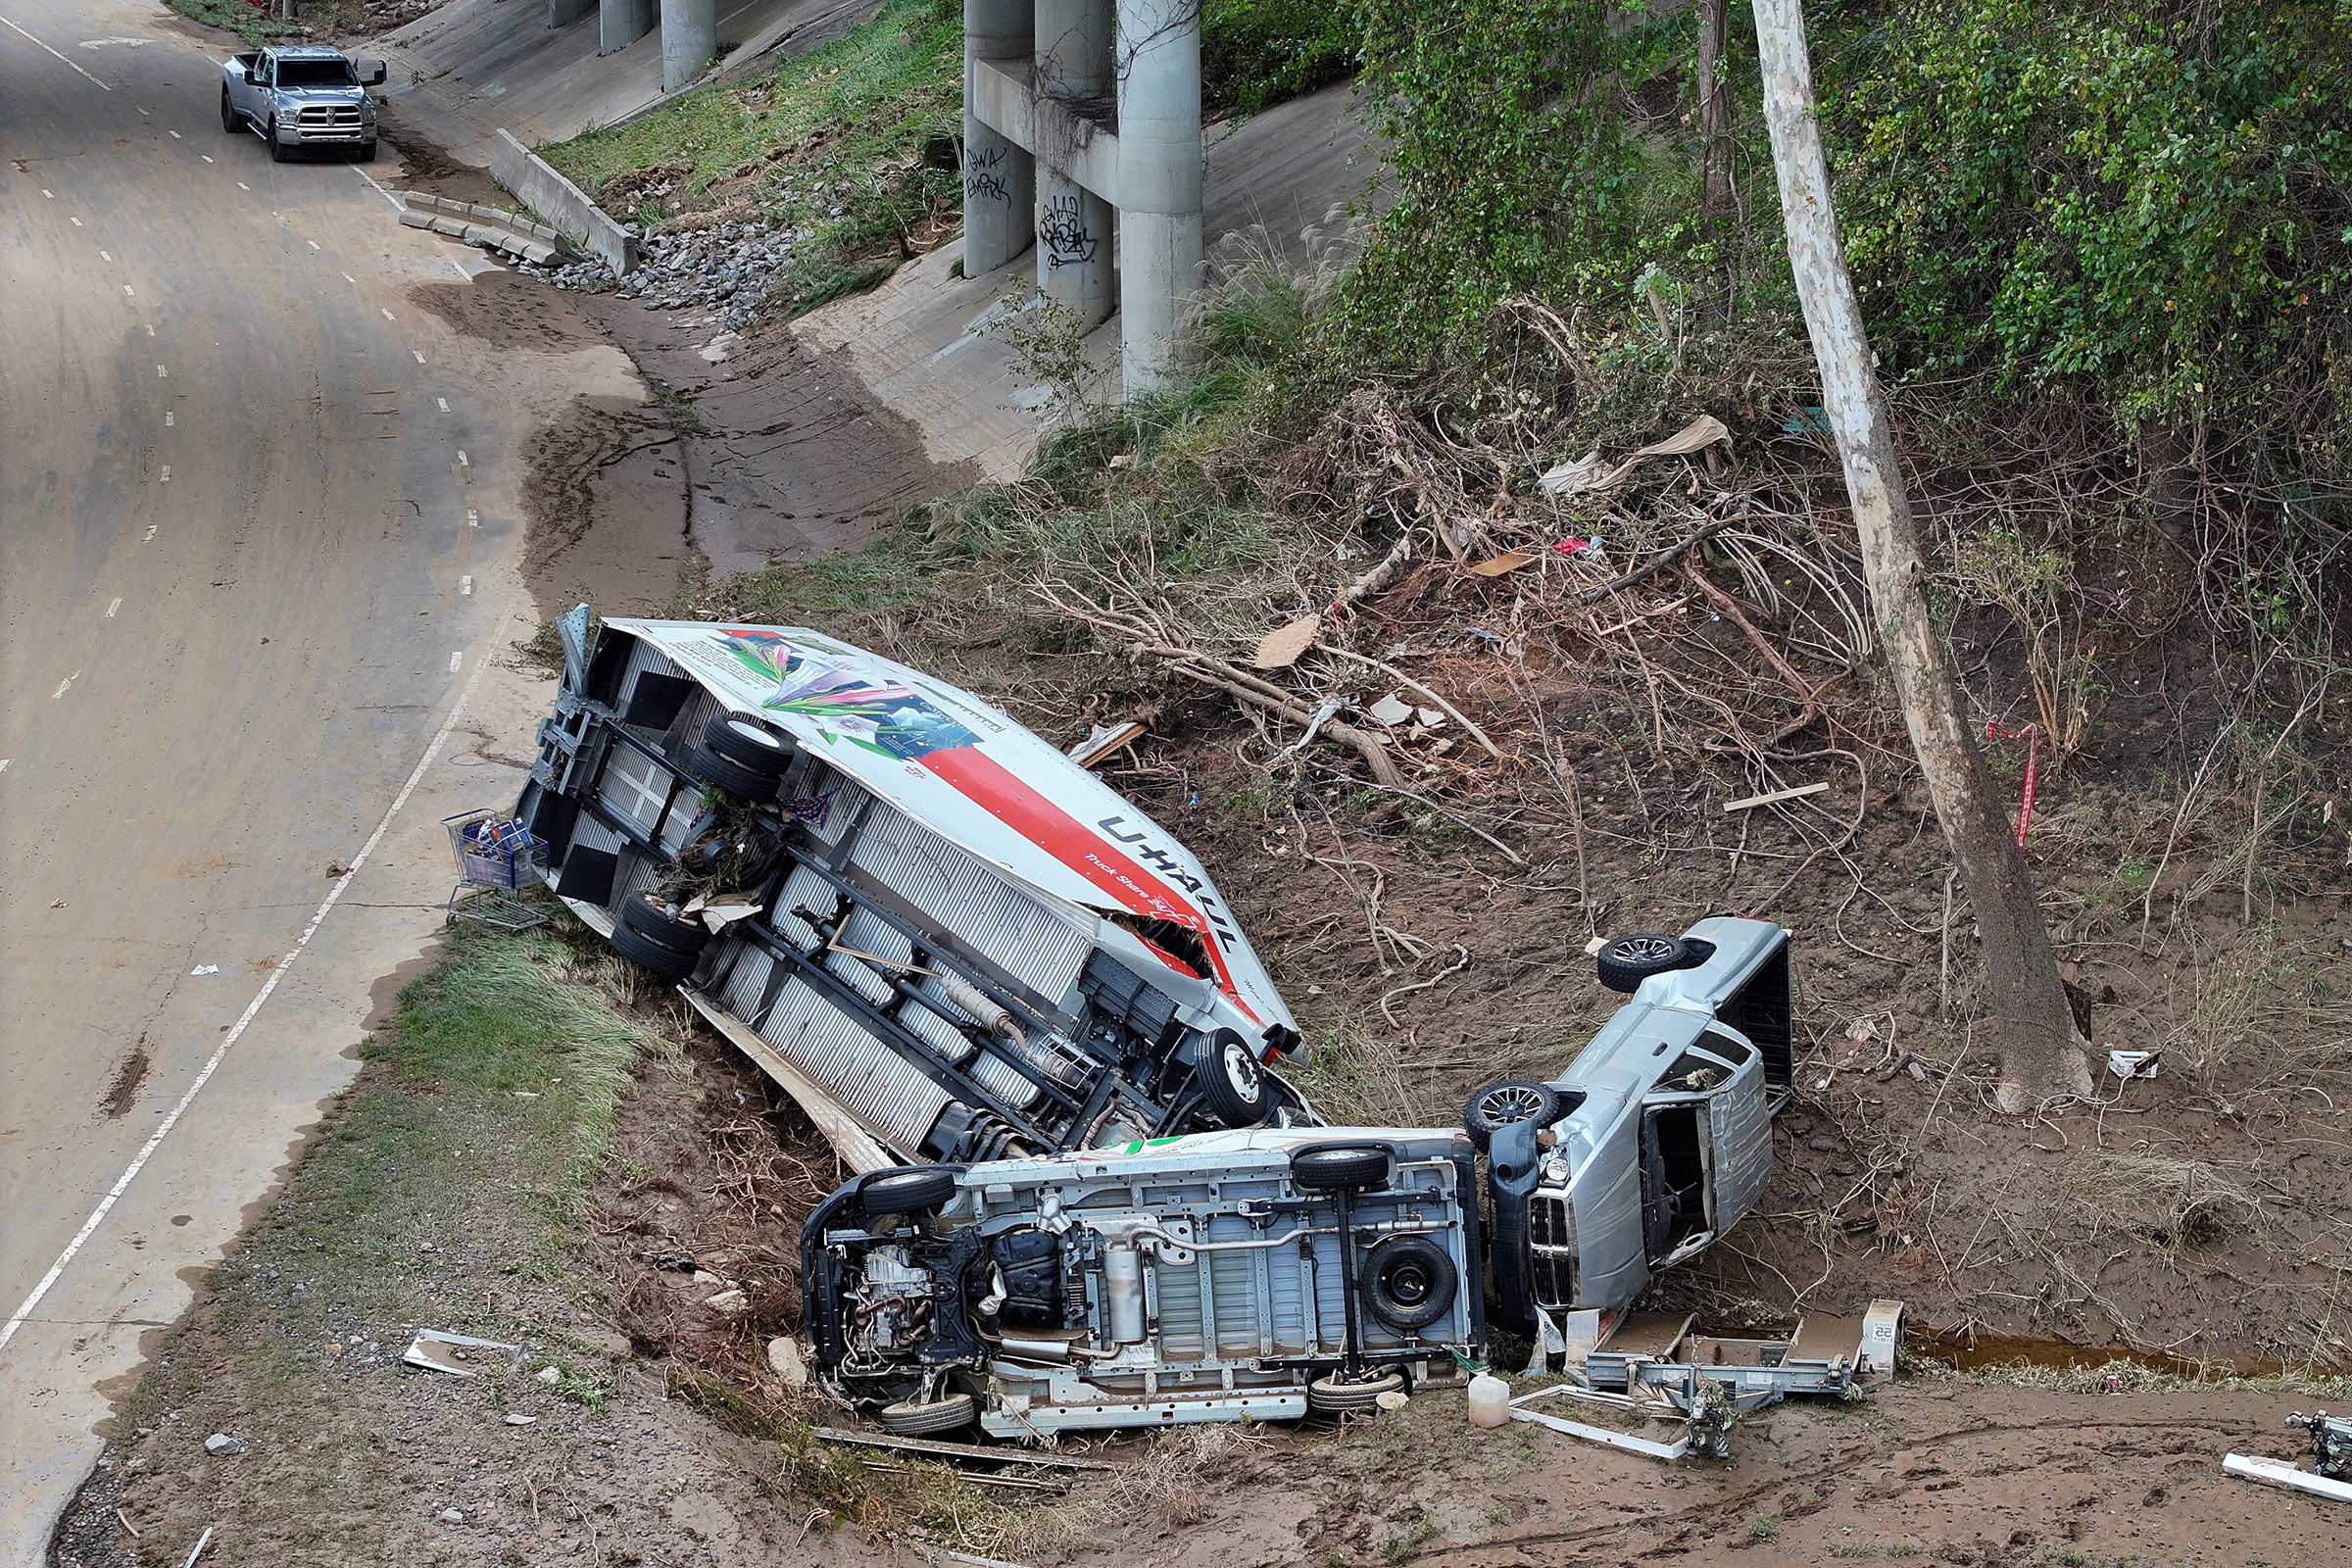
230	121
643	952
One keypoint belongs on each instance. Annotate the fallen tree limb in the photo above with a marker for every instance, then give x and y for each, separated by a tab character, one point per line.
1654	565
1450	711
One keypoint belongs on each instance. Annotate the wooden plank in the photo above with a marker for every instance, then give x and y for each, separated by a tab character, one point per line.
856	1146
964	1450
1774	797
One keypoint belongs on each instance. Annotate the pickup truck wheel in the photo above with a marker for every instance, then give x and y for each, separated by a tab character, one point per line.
1511	1100
1627	961
1233	1086
280	152
1339	1167
917	1418
230	121
366	152
1340	1395
647	954
1408	1282
914	1190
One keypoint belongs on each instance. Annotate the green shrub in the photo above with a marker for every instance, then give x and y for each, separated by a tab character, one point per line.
1256	53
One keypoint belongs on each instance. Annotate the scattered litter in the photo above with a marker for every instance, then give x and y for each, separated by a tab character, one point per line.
221	1446
451	1516
1593	946
206	969
785	1360
1390	710
2280	1473
58	904
719	916
1104	739
728	1302
1392	1400
202	1541
522	1420
1589	473
1508	561
1280	648
526	1094
1774	797
677	1262
550	1375
123	1520
1866	1027
703	1276
2132	1064
1811	419
1123	460
437	1352
1578	548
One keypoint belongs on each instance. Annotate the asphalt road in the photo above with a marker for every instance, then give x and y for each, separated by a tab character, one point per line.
255	549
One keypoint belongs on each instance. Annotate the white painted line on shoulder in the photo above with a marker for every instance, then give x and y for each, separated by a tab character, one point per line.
174	136
75	222
388	315
67	684
444	401
161	373
465	585
127	290
379	190
102	255
111	609
89	1227
462	462
141	111
149	536
455	659
462	272
46	191
241	185
166	478
348	279
207	157
77	70
473	518
166	418
311	243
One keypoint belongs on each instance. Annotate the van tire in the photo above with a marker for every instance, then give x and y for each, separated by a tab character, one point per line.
647	954
917	1418
686	935
914	1189
749	743
1627	960
1336	1393
1339	1167
1233	1084
730	775
1508	1101
1408	1282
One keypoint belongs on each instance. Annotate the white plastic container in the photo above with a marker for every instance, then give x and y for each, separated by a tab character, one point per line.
1490	1402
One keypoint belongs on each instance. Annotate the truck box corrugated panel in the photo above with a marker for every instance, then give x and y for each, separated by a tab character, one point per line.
644	660
873	1082
989	915
841	798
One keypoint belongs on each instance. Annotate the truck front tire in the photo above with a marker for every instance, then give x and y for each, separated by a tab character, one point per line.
366	152
230	121
280	152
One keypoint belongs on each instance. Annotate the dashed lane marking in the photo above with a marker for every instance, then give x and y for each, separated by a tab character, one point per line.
241	185
3	764
46	191
111	609
348	279
455	659
465	585
67	684
166	478
102	255
77	70
75	222
311	243
149	536
463	463
166	418
420	355
207	157
473	518
161	373
89	1227
444	401
127	290
388	315
174	136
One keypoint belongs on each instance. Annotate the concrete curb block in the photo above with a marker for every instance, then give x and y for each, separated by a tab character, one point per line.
513	223
508	234
537	184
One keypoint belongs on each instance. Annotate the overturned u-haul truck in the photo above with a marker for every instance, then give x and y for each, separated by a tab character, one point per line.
944	936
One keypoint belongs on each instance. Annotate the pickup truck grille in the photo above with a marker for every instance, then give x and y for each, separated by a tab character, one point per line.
329	117
1552	1251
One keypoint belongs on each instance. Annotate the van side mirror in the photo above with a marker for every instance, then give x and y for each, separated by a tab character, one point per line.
375	75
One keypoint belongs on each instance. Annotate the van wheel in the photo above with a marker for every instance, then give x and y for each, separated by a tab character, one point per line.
1339	1167
1629	960
1338	1393
1512	1099
647	954
916	1418
1408	1282
730	775
686	934
230	121
1232	1083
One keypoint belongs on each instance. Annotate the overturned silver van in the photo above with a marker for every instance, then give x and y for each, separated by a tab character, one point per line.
1257	1275
942	936
1656	1139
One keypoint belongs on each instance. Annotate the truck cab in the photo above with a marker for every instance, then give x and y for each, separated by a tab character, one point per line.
296	96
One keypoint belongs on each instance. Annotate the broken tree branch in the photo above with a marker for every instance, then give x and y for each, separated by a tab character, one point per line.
1445	706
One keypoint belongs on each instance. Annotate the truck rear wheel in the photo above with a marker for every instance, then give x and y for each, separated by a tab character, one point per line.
280	152
230	121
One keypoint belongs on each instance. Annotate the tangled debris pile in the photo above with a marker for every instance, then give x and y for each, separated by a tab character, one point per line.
732	266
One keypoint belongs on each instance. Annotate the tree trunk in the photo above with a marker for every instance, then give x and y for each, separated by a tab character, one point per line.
1714	115
2040	1062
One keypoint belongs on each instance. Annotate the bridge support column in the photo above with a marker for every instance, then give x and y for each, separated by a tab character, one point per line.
563	13
1000	178
689	38
1075	225
621	23
1159	182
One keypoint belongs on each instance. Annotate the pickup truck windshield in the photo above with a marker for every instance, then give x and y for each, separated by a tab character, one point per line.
316	73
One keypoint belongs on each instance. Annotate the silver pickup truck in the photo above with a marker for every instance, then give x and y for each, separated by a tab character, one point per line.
295	96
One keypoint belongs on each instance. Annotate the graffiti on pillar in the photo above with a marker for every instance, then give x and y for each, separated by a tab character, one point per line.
983	180
1063	235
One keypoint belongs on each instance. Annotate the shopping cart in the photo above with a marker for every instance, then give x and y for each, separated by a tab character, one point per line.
497	860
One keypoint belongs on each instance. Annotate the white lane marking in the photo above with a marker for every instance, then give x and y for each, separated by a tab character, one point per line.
127	288
30	38
161	373
102	255
348	279
3	764
149	536
444	401
46	191
241	185
465	585
166	418
111	609
75	222
151	333
388	315
473	518
166	478
311	243
419	357
206	969
23	1313
67	684
455	659
174	136
380	191
141	111
462	272
461	463
207	157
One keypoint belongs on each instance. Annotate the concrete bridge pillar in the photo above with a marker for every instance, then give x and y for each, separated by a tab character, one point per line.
621	23
1159	71
1074	229
1000	178
689	38
563	13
